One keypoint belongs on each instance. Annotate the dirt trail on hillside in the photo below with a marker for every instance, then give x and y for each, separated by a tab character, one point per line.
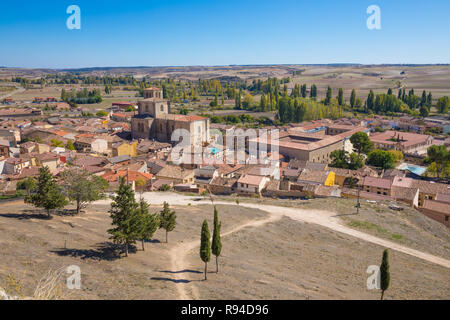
323	218
178	254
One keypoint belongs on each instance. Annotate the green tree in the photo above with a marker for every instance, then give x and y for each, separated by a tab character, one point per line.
149	223
424	111
48	195
83	187
101	113
341	97
381	159
355	161
328	96
247	101
361	143
205	246
353	99
370	103
57	143
69	145
216	246
313	92
443	104
440	156
339	159
167	220
124	217
385	274
28	184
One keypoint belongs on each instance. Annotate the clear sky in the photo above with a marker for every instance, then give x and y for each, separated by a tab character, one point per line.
200	32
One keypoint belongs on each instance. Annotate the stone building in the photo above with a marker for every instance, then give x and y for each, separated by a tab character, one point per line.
155	122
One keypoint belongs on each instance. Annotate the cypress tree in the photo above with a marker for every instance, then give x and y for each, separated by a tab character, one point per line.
353	98
328	96
167	220
384	273
216	246
48	195
429	100
341	97
370	100
205	246
423	101
124	217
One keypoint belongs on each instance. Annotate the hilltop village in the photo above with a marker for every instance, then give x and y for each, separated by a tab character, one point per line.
134	141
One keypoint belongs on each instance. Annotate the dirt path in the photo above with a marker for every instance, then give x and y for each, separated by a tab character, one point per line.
178	255
326	219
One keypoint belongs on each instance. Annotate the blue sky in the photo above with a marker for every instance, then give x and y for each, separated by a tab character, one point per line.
198	32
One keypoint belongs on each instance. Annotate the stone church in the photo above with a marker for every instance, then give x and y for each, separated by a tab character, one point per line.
155	122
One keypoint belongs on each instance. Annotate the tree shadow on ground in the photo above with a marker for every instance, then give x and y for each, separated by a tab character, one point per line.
171	280
104	251
181	271
26	215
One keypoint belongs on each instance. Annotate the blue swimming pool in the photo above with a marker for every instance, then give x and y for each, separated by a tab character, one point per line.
414	169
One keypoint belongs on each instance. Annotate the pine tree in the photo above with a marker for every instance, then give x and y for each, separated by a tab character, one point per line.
389	91
205	246
124	217
384	273
149	223
216	246
167	220
48	195
353	98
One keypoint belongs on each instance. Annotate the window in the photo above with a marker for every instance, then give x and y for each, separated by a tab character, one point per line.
446	218
161	108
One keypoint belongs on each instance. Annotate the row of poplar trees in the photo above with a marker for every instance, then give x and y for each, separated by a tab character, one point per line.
207	247
132	220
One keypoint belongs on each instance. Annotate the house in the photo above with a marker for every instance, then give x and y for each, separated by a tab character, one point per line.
407	195
4	148
49	159
377	185
176	174
266	171
91	144
124	148
125	159
146	146
222	185
407	142
133	177
15	165
438	211
206	173
156	165
157	184
326	178
251	184
290	174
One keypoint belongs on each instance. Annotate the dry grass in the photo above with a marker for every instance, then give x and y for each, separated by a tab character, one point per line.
283	259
